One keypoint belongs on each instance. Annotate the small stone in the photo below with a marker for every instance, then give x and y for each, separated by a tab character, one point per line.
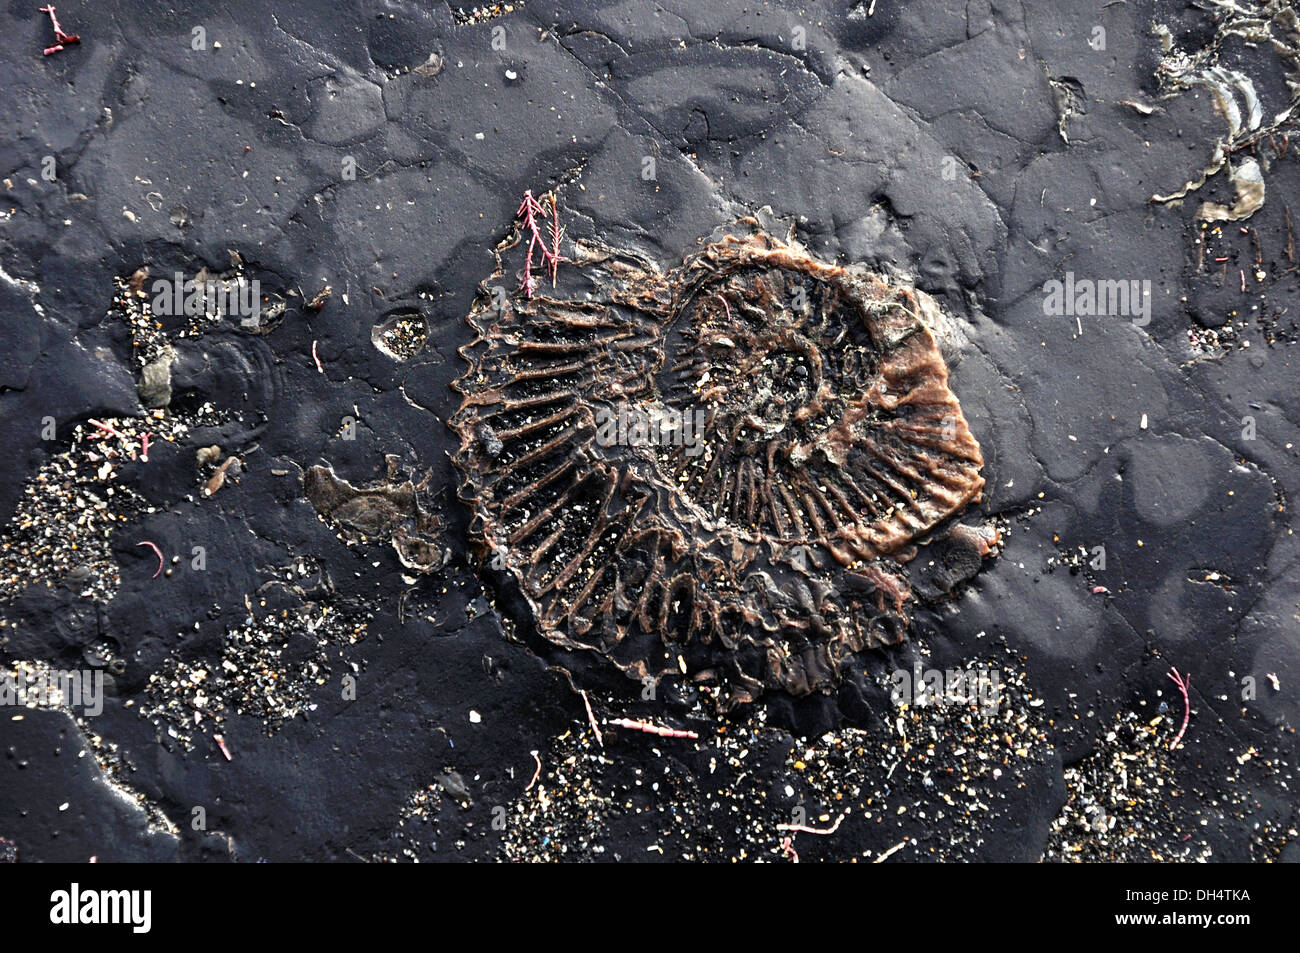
155	387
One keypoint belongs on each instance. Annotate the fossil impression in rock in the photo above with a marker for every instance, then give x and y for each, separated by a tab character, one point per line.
387	510
712	472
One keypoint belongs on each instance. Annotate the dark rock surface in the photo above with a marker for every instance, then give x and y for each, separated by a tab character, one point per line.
353	708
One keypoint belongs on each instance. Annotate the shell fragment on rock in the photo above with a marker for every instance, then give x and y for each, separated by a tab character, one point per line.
388	510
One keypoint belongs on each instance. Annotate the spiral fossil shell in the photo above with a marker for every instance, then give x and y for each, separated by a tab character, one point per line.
713	471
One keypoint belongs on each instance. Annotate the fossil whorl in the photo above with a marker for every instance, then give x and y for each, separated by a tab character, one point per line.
711	472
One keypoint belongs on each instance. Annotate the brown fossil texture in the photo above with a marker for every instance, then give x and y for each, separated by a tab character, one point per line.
387	510
712	472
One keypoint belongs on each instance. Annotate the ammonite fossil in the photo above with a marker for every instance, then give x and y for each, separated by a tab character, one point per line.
712	472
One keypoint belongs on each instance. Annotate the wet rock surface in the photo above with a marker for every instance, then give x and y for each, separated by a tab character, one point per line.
298	638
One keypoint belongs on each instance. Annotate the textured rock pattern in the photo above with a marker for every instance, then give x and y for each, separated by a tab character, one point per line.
796	431
1139	467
